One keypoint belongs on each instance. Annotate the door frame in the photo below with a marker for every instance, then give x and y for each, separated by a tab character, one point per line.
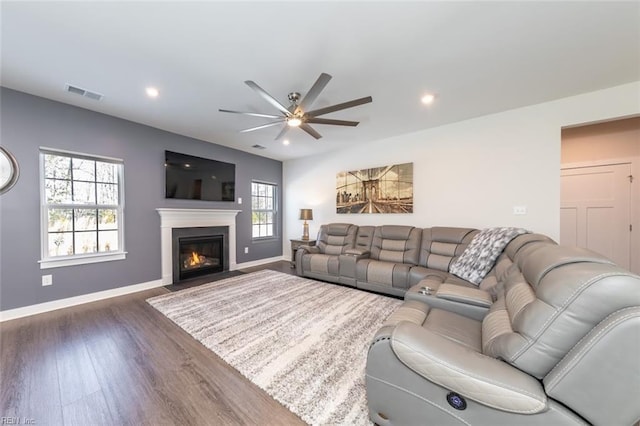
635	200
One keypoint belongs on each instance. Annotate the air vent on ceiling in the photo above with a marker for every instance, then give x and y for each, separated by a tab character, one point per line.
256	146
83	92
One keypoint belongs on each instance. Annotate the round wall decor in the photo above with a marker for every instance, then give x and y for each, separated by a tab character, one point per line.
9	170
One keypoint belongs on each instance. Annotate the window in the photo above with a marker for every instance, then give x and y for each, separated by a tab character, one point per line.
263	210
82	205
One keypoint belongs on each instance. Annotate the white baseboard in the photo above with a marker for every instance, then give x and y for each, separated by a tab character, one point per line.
77	300
100	295
258	262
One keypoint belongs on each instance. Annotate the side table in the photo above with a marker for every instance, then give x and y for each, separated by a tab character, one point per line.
294	247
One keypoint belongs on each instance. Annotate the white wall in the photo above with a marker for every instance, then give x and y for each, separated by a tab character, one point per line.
469	173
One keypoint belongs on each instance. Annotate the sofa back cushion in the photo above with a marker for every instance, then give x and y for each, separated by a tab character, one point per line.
335	238
442	245
517	247
396	243
552	297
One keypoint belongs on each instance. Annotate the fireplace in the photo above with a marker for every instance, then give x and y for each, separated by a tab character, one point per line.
199	256
199	251
172	219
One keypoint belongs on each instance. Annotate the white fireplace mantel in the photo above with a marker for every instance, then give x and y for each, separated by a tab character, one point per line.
186	218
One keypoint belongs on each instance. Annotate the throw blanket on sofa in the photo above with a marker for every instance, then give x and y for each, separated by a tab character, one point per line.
480	255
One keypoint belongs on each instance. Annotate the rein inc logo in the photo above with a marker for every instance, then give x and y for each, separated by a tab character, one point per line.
16	421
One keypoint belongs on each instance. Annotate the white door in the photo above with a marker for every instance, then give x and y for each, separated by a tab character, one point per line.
595	207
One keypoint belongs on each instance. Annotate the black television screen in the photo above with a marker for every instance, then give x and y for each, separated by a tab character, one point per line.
194	178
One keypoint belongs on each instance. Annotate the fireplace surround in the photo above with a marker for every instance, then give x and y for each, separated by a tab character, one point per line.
171	219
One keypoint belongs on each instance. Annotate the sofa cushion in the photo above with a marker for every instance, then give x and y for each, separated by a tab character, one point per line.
441	245
481	254
335	238
386	274
462	330
395	243
323	263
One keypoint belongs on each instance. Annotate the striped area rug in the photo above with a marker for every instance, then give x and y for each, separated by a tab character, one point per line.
303	341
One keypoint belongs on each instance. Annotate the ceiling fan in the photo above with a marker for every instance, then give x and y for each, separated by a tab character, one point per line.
297	114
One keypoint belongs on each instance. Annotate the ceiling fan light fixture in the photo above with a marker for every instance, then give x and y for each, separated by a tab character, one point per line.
299	113
294	122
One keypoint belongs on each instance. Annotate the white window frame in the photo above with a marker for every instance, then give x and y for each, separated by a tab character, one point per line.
47	261
274	211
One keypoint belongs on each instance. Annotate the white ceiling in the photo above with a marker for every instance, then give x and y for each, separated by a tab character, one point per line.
478	57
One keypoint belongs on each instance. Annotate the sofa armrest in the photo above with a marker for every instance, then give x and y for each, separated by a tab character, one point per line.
301	251
309	249
478	377
360	254
468	295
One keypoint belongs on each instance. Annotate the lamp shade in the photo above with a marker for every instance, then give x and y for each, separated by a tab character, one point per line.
306	214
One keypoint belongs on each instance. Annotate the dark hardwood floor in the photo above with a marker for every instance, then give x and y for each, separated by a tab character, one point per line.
121	362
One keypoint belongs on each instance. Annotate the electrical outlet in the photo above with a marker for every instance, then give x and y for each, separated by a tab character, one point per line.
47	280
519	210
246	250
239	200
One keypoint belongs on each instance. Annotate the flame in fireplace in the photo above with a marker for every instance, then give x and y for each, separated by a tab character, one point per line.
195	259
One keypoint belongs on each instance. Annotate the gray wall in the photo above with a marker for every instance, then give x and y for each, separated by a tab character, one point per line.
29	122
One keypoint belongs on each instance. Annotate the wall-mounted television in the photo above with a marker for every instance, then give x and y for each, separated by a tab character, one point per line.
194	178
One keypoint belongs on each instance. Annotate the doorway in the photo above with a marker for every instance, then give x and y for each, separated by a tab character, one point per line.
599	196
595	210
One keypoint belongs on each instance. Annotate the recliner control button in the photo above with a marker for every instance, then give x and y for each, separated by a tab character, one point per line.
456	401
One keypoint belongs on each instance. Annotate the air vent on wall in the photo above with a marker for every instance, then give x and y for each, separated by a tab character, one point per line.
258	146
83	92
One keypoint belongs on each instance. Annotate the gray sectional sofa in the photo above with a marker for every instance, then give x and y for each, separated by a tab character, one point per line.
550	335
559	346
388	259
401	260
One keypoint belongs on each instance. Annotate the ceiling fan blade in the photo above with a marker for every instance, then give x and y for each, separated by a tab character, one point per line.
309	129
267	97
314	120
338	107
284	130
254	114
273	123
313	93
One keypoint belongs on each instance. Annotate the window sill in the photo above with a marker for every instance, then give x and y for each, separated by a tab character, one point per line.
81	260
265	239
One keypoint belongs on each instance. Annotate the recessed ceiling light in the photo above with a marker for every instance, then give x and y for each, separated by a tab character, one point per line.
285	142
428	98
152	92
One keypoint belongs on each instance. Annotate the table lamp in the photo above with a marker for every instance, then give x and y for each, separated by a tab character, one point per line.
306	214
